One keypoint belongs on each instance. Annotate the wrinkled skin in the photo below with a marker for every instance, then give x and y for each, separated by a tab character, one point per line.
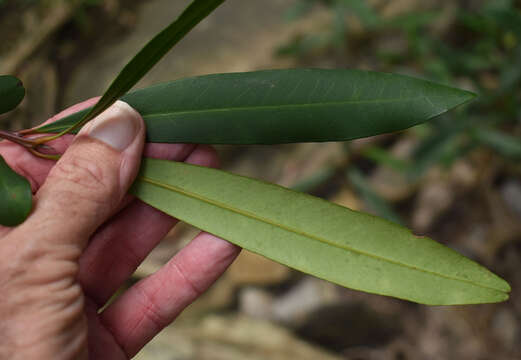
83	239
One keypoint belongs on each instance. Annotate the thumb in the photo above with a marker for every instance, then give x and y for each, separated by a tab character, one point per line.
88	183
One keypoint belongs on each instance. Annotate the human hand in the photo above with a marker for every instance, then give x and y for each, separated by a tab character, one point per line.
85	237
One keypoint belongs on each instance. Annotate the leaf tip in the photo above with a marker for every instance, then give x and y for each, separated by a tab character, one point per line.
468	96
505	286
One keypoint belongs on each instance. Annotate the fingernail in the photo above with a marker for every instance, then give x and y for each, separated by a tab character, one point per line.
117	126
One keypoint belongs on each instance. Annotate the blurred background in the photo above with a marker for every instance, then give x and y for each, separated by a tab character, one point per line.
456	179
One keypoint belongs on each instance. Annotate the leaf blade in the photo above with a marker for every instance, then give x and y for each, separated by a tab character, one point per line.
352	249
12	93
285	106
151	53
15	196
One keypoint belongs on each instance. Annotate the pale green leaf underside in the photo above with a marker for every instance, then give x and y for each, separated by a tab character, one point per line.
285	106
349	248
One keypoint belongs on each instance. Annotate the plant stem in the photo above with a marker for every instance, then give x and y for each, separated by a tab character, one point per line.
30	144
16	138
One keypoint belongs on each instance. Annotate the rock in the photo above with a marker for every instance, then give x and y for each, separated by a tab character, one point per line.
291	307
308	295
463	174
252	339
256	303
230	338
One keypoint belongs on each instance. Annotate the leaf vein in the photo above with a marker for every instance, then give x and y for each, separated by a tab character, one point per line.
283	106
299	232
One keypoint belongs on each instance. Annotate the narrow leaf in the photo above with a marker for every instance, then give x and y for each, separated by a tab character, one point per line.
285	106
384	157
349	248
152	53
504	144
15	196
378	205
12	93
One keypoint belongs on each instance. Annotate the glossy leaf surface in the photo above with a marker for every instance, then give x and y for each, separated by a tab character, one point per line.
349	248
285	106
15	196
12	93
152	53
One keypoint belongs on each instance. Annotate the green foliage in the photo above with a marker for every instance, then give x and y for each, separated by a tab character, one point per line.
329	241
285	106
15	191
12	93
16	198
346	247
481	48
149	56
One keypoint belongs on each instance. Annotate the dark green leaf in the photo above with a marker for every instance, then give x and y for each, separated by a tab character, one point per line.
12	93
349	248
318	178
152	53
285	106
15	196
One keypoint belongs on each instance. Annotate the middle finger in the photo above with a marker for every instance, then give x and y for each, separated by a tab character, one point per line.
121	245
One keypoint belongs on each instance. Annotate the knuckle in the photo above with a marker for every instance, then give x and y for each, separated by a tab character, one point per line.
82	171
85	178
188	281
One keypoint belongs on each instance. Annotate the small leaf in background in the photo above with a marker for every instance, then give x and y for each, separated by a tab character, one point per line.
439	145
384	157
310	183
16	197
362	10
346	247
151	54
504	144
285	106
12	93
375	202
299	9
